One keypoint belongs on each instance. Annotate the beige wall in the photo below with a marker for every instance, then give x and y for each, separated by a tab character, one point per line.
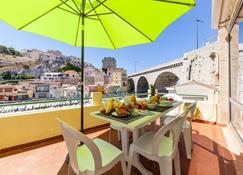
223	69
28	127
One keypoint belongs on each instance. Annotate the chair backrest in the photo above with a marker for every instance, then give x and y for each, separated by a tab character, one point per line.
191	110
174	128
73	138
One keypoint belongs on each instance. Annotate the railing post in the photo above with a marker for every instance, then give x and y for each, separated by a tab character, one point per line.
96	98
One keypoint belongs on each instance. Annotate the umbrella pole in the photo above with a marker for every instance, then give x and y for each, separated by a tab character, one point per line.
82	70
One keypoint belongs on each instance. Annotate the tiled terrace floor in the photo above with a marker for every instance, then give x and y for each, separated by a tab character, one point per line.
210	157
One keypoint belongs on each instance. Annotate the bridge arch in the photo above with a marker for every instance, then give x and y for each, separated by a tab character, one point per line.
165	79
142	85
131	86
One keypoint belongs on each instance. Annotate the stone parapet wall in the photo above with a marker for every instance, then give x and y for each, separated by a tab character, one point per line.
203	63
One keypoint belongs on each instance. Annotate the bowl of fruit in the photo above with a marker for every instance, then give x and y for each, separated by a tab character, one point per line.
166	102
151	105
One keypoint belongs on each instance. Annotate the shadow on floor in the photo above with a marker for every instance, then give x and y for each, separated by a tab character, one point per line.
208	157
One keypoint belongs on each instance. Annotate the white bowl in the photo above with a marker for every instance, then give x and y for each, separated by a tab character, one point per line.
151	105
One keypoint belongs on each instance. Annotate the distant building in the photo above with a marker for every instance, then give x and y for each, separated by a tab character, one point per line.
56	90
115	79
119	78
70	91
73	77
41	90
53	76
108	62
72	74
10	93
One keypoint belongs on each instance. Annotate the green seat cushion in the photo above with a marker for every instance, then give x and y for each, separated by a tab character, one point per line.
144	143
85	159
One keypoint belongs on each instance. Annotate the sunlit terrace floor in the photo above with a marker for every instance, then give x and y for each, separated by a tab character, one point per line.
210	156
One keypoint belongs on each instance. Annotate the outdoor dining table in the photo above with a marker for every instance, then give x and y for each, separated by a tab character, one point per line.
134	123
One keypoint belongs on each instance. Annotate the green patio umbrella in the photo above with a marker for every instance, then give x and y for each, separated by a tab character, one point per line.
94	23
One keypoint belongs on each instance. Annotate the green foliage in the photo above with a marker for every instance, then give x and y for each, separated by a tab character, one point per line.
6	75
9	51
212	56
27	76
9	76
3	50
69	66
152	89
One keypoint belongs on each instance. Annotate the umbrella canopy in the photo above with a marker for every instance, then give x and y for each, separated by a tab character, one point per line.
94	23
108	23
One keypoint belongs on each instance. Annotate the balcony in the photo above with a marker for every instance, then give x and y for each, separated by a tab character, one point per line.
31	140
34	145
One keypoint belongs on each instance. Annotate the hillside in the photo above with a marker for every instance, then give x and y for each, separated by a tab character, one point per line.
35	62
11	63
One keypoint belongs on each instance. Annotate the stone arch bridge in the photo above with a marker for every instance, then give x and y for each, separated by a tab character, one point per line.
164	75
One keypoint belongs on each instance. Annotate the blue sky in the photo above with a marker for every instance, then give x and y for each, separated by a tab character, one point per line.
172	43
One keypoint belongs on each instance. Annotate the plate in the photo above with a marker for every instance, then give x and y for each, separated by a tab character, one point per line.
145	112
116	115
165	104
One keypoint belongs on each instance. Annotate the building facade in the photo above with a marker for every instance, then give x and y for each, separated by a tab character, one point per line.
119	78
53	76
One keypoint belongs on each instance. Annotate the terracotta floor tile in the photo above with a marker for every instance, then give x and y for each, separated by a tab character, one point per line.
210	156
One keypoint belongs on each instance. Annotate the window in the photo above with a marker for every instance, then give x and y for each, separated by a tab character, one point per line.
236	82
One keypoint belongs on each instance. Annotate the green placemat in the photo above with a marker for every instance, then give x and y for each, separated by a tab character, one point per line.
128	119
161	109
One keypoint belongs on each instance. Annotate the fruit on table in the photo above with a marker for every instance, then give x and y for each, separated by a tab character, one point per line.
142	102
135	106
126	100
163	98
154	99
109	106
102	109
117	103
170	99
133	99
167	99
123	110
143	106
135	112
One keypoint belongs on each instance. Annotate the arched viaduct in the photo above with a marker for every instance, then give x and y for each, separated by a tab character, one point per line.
164	75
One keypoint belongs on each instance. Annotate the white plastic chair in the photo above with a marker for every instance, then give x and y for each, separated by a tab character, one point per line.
158	147
94	157
187	128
